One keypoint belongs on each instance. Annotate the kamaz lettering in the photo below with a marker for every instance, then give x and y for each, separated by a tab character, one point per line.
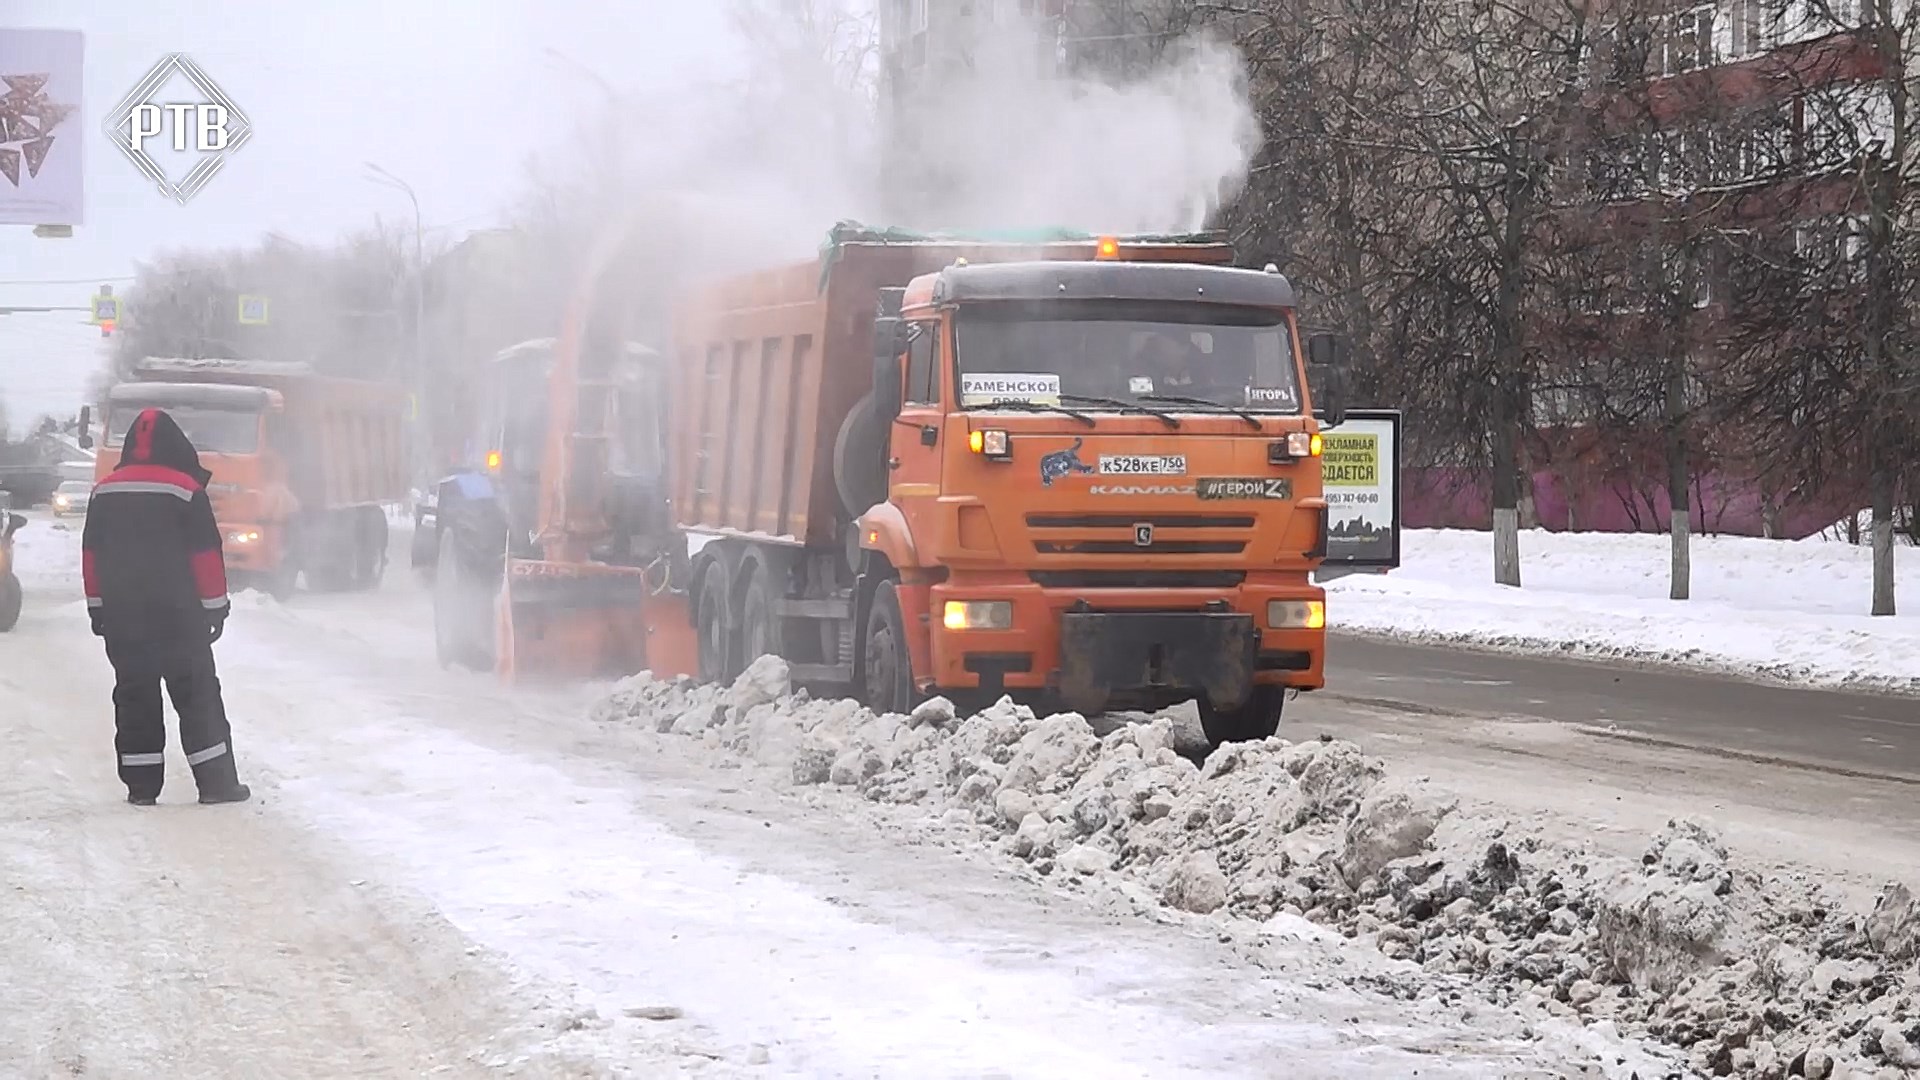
1139	489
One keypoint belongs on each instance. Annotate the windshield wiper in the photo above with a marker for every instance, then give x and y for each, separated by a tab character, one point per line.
1036	406
1172	399
1124	406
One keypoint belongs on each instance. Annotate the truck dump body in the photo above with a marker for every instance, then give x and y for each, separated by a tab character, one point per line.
771	363
344	440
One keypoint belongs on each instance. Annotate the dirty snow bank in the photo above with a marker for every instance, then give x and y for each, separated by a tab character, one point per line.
1119	817
1749	976
1780	609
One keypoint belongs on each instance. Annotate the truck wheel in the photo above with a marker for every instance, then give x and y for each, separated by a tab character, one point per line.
886	671
371	547
758	635
10	601
1256	719
710	620
280	581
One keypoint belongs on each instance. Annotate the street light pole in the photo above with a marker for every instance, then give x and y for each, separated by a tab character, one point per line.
385	178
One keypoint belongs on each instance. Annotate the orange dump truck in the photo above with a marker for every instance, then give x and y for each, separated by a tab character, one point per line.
1086	472
301	463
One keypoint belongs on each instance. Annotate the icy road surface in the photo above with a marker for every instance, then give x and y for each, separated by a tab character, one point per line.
440	878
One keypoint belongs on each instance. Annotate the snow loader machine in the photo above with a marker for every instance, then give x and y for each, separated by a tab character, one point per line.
1084	471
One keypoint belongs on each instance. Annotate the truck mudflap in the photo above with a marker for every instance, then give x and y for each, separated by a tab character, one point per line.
1134	657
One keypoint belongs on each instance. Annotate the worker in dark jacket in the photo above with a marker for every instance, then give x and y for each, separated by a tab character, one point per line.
156	585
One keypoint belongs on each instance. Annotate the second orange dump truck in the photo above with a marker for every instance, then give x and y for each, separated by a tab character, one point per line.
301	463
1084	472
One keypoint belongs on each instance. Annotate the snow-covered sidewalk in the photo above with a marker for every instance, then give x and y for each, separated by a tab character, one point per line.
1795	611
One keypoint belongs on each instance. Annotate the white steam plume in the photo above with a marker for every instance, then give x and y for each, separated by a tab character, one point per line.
758	170
1014	143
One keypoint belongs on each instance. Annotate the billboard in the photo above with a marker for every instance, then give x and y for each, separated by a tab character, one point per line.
1360	467
41	166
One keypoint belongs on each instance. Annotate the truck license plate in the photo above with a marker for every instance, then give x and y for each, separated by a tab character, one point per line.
1143	464
1244	487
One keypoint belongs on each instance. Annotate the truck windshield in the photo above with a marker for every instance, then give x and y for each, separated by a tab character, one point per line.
1186	353
212	431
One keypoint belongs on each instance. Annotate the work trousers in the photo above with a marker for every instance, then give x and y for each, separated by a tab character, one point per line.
139	719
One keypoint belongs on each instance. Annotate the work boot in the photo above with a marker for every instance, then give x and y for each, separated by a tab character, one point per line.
236	793
140	799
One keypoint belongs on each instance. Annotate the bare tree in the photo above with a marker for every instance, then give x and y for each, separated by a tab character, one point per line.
1823	352
1654	176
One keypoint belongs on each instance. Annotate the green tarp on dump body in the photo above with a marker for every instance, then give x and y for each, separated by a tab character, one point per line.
853	232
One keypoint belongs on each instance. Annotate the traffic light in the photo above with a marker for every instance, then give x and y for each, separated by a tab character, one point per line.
106	327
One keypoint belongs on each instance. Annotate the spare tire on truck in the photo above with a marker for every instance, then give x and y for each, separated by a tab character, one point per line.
860	459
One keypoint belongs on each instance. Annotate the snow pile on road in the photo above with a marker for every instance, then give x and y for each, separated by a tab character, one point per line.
1789	610
1750	976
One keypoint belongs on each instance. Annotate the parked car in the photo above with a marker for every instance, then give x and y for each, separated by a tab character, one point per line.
71	498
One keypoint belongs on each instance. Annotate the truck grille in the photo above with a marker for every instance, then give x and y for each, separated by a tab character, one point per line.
1128	521
1128	547
1138	579
1051	529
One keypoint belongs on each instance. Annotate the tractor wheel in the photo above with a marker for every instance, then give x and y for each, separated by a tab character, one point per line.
467	575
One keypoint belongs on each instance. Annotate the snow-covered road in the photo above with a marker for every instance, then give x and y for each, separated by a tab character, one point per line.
438	877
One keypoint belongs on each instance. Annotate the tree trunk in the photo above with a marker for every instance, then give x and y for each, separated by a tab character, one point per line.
1679	510
1882	542
1506	496
1524	502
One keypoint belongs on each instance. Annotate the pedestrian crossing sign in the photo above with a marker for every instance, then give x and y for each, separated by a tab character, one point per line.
106	309
253	311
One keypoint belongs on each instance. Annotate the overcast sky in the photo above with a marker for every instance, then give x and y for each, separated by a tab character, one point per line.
451	96
448	95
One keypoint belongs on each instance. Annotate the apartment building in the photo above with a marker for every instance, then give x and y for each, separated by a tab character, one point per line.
1744	131
1723	143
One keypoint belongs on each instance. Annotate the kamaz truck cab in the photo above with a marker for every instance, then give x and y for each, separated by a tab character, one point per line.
1102	481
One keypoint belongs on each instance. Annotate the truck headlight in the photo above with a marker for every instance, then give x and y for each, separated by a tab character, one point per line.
990	442
1298	444
244	536
1297	614
977	615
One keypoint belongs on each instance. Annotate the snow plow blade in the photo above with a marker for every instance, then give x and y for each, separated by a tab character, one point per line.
570	621
562	621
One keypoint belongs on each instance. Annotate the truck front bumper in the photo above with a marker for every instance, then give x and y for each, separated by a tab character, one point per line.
1126	648
1104	654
